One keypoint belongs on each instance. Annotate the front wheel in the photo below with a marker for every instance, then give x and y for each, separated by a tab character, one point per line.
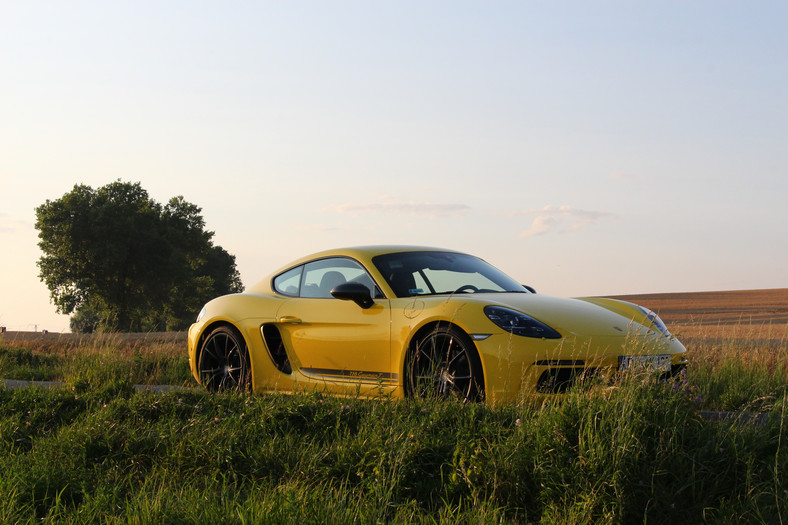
224	361
444	364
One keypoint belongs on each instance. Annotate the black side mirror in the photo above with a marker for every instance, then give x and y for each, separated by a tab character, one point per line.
529	288
356	292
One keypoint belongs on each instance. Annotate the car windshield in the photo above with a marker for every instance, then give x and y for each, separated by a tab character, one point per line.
429	273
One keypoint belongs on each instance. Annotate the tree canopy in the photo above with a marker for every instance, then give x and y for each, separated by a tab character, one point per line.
119	260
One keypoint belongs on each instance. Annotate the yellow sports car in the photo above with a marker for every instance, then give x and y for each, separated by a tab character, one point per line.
415	321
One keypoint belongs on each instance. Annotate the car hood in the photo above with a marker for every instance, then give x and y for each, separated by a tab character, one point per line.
570	316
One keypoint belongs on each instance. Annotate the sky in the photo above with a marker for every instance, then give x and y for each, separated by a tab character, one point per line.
584	148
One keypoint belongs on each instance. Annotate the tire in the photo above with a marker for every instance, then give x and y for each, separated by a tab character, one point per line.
224	361
444	364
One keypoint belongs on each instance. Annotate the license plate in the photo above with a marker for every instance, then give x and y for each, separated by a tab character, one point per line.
655	363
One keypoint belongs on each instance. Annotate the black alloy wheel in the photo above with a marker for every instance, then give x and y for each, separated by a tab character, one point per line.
224	361
445	365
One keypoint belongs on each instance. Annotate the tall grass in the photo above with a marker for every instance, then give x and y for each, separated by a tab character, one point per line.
95	450
737	366
96	359
638	452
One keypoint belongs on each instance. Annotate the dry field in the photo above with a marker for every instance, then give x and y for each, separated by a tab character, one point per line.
742	307
755	316
153	343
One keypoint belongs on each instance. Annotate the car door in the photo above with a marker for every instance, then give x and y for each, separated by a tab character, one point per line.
335	339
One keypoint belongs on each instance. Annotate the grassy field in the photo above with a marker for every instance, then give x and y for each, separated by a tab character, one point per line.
141	358
95	450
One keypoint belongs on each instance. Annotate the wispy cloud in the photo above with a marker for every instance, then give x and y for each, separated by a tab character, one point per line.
9	224
428	210
541	224
563	219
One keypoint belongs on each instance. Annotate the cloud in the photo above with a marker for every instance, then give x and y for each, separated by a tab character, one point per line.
429	210
542	224
9	224
564	219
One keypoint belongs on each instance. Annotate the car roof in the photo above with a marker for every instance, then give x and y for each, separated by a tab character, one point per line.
366	252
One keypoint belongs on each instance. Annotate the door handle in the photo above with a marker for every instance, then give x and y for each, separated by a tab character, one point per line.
290	319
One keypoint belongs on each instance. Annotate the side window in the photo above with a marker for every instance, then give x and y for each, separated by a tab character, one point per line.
320	277
289	283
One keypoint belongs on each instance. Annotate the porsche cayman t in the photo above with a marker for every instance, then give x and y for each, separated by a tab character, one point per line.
414	321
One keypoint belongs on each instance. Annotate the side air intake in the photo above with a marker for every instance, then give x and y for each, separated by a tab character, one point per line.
276	349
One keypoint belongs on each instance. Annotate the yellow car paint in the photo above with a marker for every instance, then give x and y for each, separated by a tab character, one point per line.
337	346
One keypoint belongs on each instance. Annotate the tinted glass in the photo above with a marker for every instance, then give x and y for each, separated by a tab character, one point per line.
320	277
288	283
426	273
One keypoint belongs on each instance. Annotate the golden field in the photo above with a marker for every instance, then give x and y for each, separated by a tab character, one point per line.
741	307
742	314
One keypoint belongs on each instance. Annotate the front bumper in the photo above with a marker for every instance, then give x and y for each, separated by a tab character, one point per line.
516	367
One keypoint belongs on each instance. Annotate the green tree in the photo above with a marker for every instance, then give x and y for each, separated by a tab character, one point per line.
120	260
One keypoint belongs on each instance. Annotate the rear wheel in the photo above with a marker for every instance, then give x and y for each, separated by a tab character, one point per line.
444	364
224	361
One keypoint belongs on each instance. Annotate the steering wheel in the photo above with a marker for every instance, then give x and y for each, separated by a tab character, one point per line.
466	287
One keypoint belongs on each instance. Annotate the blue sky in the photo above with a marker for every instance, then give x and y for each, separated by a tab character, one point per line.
585	148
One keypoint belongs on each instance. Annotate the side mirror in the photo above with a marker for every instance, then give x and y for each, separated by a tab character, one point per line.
529	288
356	292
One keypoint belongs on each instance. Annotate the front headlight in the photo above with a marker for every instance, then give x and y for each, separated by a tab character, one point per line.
199	315
654	319
518	323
